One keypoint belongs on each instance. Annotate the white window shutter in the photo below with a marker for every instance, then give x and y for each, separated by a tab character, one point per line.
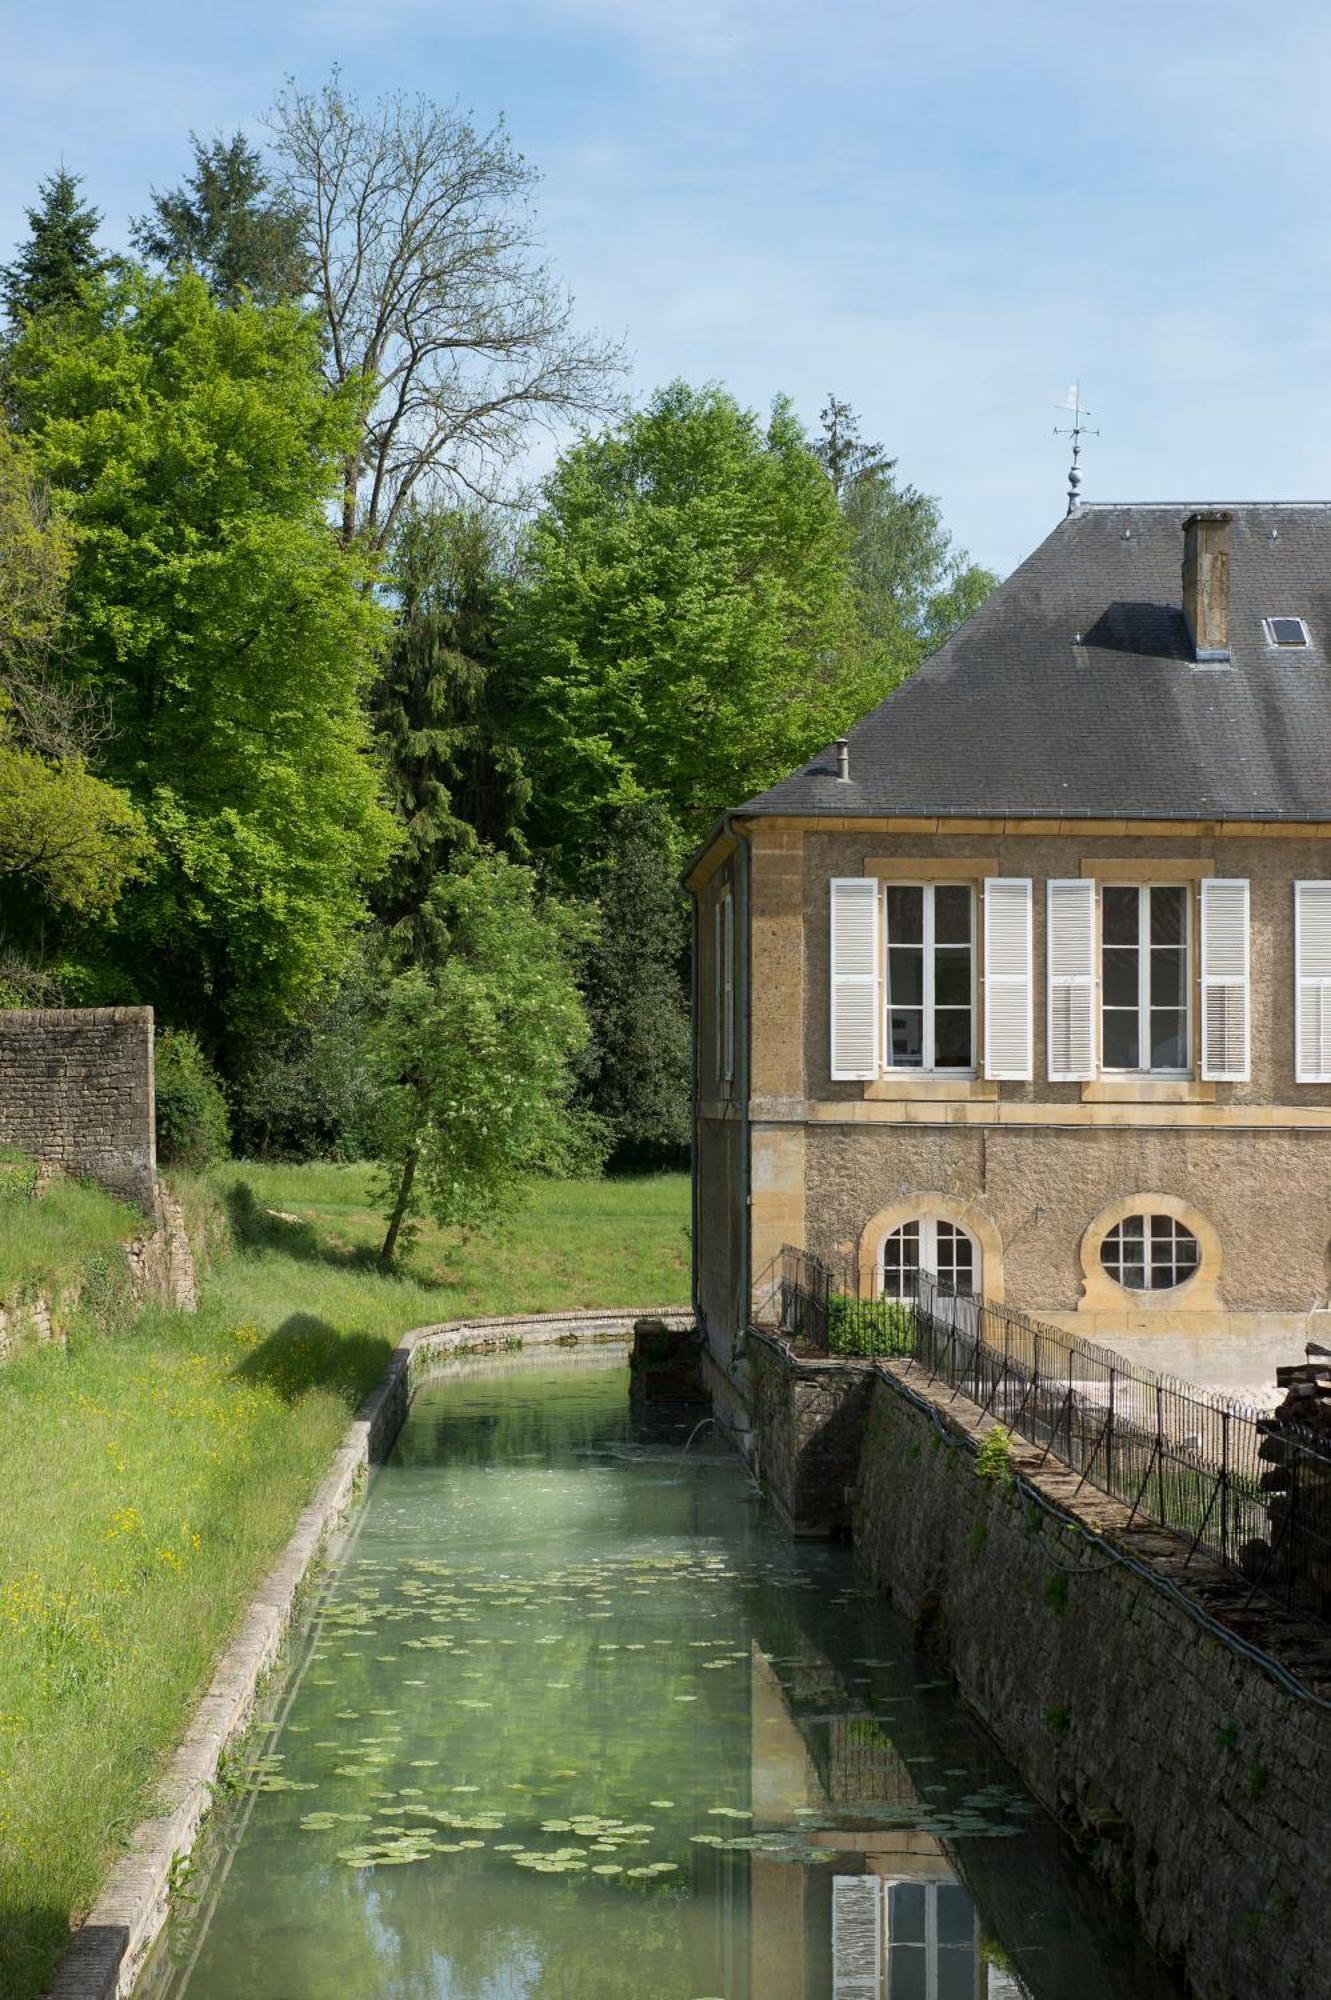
1070	951
857	1937
1225	981
856	979
1007	979
1312	982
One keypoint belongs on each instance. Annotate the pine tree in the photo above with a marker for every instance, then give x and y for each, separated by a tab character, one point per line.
53	267
636	1068
454	782
225	225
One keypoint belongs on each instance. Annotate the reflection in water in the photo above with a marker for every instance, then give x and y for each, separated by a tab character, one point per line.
576	1722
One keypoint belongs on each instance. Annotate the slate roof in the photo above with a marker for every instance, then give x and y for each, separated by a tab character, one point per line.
1074	692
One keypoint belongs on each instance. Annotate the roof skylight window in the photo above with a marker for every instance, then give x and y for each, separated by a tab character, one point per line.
1286	631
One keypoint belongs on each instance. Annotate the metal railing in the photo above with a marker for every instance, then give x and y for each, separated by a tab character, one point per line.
1250	1492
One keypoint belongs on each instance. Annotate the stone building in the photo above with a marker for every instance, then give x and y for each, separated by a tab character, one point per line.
1028	980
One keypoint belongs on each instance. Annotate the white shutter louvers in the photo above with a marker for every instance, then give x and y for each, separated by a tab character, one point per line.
1225	981
1312	982
1008	1014
1070	952
856	983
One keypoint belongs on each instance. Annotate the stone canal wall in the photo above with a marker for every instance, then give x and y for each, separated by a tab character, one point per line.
808	1428
108	1952
76	1092
1195	1778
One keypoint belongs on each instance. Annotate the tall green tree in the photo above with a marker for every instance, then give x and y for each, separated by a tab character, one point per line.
69	842
687	626
636	1066
232	635
913	585
475	1052
455	781
228	222
53	268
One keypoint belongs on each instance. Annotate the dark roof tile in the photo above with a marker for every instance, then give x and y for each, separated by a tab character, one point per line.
1073	691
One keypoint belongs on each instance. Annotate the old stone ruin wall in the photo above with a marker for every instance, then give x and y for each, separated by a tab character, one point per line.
76	1094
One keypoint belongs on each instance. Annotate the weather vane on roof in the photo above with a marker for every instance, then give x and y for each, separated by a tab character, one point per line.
1076	430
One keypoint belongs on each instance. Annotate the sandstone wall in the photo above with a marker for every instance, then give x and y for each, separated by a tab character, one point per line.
808	1420
76	1092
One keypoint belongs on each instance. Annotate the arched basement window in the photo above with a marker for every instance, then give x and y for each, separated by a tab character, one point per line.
943	1249
1150	1253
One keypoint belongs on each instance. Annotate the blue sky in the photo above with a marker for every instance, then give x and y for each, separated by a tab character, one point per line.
944	213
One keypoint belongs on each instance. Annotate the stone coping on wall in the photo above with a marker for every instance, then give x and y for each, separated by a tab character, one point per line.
1223	1599
107	1953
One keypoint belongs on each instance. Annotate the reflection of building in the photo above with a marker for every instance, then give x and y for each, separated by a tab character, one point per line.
901	1927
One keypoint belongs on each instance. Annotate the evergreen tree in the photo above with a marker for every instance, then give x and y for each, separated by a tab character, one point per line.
454	782
225	224
913	586
53	267
636	1069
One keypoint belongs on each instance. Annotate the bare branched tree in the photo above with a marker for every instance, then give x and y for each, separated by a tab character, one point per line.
430	280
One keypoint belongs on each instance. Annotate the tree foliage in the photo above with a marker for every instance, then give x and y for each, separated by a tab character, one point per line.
69	843
687	627
454	781
429	279
226	221
913	586
636	1067
475	1053
231	634
60	258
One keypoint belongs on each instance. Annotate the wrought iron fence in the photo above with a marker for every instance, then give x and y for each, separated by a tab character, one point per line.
1251	1492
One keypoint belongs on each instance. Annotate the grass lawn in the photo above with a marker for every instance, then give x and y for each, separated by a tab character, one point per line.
41	1241
150	1475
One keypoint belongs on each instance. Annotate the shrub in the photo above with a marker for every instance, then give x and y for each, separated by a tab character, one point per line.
18	1176
193	1129
869	1326
993	1461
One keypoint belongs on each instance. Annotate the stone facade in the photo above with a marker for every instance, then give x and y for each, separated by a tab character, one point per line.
76	1093
1036	1171
808	1426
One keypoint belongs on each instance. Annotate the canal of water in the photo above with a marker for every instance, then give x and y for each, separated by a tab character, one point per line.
575	1721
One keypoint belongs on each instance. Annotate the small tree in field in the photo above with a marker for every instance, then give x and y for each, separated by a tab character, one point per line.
476	1052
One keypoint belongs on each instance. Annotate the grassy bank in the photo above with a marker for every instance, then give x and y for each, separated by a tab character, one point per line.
47	1242
149	1477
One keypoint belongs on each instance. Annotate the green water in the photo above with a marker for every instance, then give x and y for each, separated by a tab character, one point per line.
576	1721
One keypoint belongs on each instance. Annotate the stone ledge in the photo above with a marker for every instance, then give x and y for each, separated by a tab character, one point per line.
107	1952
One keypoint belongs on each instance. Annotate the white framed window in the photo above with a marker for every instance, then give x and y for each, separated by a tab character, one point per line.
1145	979
1150	1253
929	944
945	1250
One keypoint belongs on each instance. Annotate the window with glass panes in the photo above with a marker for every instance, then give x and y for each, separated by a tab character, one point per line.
930	941
1144	978
943	1249
1150	1253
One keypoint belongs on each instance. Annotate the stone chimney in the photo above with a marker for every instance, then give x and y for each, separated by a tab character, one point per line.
1206	583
